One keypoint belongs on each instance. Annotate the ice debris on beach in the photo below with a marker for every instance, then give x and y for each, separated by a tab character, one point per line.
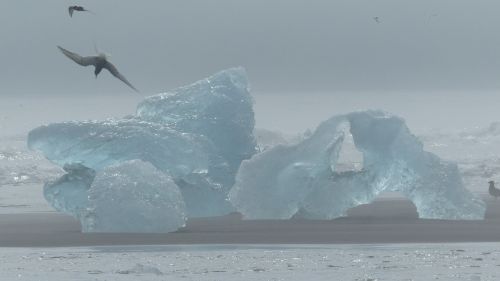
197	135
194	139
301	180
20	166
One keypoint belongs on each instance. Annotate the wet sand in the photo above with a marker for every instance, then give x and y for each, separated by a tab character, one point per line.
383	221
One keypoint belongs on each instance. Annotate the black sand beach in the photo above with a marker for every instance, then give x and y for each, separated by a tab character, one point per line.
383	221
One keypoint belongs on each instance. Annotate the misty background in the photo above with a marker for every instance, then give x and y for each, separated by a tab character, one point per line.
435	63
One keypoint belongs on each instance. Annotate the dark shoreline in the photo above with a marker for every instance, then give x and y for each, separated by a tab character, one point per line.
383	221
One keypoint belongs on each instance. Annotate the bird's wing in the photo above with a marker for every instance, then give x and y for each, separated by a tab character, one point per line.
84	61
70	11
112	69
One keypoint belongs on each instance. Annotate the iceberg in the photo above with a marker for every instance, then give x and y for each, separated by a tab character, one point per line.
192	152
69	193
301	180
133	196
197	135
219	107
97	144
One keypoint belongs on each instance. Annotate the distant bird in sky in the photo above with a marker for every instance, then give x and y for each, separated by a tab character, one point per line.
71	9
495	192
376	19
99	62
431	16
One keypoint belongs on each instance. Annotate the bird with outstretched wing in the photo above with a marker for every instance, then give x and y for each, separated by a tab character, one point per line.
99	62
71	9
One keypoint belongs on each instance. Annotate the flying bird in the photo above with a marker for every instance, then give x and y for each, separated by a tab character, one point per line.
431	17
376	19
71	9
99	62
495	192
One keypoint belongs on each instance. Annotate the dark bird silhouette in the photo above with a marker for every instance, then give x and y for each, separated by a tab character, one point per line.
376	19
495	192
99	62
71	9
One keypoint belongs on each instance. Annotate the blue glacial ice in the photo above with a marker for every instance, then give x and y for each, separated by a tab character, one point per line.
199	139
198	135
143	199
301	180
131	196
69	193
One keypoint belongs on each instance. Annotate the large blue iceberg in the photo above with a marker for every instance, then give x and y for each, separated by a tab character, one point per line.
198	140
197	135
302	180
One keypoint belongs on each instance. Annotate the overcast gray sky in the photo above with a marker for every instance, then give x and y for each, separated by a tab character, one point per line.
434	62
285	45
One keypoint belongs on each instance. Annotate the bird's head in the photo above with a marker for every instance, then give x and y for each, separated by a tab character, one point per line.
491	182
104	56
101	54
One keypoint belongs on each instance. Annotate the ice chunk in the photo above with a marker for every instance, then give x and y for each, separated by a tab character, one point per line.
141	269
97	144
69	194
197	134
219	108
133	196
301	179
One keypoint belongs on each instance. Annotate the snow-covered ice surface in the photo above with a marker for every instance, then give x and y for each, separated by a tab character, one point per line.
425	262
